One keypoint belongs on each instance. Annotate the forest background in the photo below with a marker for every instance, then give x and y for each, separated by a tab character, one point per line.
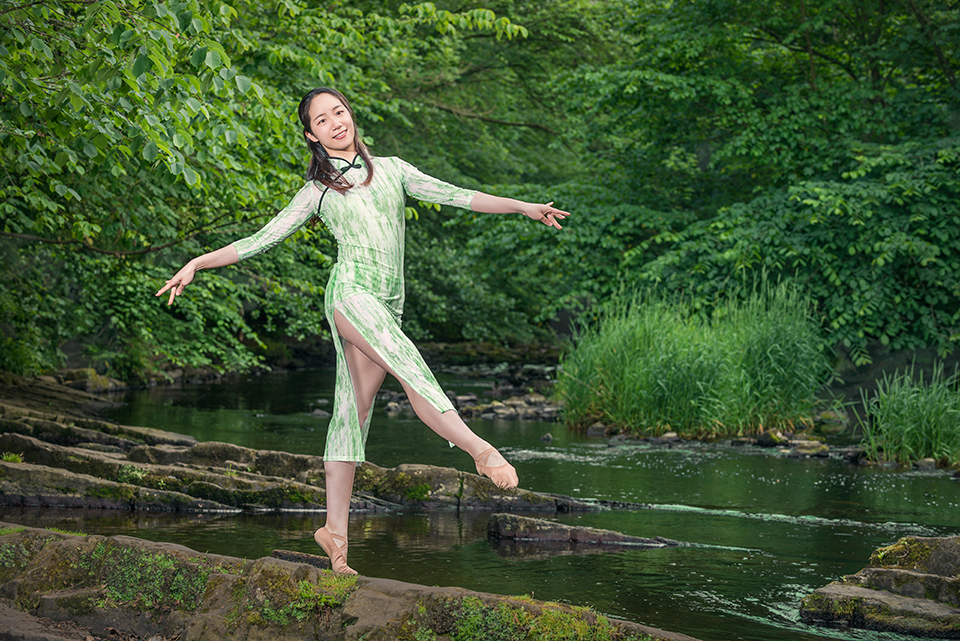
698	144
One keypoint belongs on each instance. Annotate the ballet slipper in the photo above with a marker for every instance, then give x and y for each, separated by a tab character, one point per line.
338	562
504	475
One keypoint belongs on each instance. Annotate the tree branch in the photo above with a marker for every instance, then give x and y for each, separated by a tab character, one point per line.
466	114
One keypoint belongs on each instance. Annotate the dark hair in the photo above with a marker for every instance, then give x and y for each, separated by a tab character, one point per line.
321	169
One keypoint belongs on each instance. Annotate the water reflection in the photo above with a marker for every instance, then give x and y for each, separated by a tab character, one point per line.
769	529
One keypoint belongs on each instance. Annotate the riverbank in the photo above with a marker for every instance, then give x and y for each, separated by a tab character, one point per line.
128	588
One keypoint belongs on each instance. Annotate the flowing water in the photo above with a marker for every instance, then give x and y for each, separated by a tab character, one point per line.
766	529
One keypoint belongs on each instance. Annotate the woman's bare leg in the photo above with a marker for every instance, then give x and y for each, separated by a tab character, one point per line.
448	425
367	377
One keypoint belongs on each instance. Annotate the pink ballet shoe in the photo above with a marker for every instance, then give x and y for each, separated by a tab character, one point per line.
338	562
503	476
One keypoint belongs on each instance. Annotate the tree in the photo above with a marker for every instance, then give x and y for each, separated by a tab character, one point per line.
137	133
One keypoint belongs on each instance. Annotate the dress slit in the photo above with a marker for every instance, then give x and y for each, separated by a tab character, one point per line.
381	330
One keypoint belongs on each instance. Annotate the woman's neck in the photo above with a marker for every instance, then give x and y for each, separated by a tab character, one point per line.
343	154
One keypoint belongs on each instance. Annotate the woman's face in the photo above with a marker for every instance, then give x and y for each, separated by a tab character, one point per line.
332	126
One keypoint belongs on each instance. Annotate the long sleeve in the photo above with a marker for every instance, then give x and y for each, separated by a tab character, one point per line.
427	188
298	211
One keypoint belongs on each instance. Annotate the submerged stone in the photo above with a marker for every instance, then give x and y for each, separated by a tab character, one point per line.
525	536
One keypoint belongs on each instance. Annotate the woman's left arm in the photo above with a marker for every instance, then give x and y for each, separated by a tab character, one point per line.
546	214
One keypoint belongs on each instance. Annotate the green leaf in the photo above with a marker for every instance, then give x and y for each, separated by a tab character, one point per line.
243	84
150	151
212	59
142	65
198	56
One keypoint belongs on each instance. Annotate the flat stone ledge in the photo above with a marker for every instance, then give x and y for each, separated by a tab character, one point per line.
838	604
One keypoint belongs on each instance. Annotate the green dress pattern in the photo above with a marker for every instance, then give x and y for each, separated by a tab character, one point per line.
366	283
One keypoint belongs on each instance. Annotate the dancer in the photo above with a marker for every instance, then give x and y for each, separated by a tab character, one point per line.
361	200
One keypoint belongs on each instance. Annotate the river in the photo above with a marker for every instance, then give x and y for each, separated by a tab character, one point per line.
766	530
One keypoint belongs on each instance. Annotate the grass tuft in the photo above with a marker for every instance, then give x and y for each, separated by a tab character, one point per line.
908	419
653	366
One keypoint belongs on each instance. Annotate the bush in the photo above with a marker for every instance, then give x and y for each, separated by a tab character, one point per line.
653	366
908	420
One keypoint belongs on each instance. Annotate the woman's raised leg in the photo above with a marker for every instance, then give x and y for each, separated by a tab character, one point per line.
448	425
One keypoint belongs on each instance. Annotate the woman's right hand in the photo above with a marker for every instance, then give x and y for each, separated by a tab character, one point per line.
180	280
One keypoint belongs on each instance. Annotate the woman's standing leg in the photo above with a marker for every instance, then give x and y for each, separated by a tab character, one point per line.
367	377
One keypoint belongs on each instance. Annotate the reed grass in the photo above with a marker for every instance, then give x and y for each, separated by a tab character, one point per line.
652	366
908	419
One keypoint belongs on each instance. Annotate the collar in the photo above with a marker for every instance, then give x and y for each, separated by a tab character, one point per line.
343	166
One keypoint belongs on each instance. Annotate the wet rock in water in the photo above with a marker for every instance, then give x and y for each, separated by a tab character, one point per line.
319	413
547	438
911	587
805	448
830	422
597	429
926	464
123	587
519	407
670	437
523	536
771	438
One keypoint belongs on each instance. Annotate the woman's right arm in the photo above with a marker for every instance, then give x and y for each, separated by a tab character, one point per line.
297	212
217	258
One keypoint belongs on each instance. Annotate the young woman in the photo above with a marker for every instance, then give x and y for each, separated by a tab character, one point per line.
361	199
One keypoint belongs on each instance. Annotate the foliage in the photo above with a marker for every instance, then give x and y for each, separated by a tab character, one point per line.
908	419
654	366
11	457
135	135
816	141
875	248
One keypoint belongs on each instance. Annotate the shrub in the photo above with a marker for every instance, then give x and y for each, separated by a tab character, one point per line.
652	365
907	420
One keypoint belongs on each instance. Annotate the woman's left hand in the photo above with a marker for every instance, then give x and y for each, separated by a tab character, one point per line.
546	214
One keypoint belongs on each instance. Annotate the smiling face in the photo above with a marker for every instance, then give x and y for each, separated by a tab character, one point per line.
332	126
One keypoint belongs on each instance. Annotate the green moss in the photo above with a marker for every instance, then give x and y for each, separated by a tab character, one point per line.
272	598
131	474
470	619
908	553
11	457
419	492
121	492
67	532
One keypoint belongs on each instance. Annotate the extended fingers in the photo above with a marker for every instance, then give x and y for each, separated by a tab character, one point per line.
175	287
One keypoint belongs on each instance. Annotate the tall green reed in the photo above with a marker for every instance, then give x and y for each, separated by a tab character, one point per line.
651	365
907	420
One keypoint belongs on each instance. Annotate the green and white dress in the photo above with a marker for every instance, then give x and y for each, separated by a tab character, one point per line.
366	283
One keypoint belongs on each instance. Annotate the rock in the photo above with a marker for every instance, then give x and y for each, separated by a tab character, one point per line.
547	438
537	532
597	429
926	464
670	437
771	438
319	413
911	587
464	400
805	448
122	587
